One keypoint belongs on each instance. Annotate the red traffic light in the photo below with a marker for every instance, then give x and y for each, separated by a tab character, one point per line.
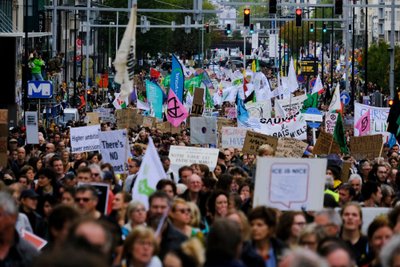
299	11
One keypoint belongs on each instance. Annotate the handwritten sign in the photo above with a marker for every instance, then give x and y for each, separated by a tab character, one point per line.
366	147
290	184
325	145
114	148
290	148
254	140
84	139
330	122
378	118
198	102
181	156
149	122
167	127
233	137
230	112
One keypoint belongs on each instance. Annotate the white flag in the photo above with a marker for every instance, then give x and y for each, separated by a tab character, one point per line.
125	58
291	78
335	103
151	171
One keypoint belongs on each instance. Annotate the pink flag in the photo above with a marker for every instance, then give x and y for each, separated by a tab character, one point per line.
364	124
176	112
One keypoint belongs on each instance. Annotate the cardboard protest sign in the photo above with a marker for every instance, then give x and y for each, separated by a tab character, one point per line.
114	148
85	139
102	194
290	184
325	145
224	122
290	148
149	122
254	140
378	118
345	174
330	122
3	116
292	126
127	118
233	137
203	130
32	127
366	147
198	102
167	127
92	118
182	155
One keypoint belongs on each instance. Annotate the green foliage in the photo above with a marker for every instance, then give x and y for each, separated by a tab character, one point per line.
379	65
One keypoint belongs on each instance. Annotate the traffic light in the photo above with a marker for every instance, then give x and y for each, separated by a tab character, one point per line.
324	27
272	6
338	7
252	28
207	27
246	13
390	102
228	29
299	13
312	27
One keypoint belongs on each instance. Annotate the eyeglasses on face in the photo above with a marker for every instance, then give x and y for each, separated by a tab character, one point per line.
84	199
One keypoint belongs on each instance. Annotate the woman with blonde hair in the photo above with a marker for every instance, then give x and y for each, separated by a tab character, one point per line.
140	248
189	254
136	214
181	219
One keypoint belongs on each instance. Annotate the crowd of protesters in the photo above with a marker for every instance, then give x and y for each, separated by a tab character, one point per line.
211	221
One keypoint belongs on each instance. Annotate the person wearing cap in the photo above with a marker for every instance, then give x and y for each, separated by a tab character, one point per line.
29	202
12	144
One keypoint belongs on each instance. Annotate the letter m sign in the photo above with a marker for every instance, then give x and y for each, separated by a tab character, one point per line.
40	89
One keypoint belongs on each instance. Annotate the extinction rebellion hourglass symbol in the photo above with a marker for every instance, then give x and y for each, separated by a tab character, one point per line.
173	111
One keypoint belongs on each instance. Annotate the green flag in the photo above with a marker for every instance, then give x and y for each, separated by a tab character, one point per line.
310	102
339	135
166	81
209	100
192	83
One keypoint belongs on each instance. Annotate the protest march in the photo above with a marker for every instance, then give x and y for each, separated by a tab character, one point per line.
195	167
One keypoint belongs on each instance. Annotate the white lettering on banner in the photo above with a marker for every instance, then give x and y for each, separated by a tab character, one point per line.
378	118
233	137
85	139
180	156
292	126
290	183
113	147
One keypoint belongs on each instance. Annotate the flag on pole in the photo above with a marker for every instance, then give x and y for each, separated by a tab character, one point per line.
176	111
242	114
124	62
151	171
335	102
339	135
363	124
292	78
177	78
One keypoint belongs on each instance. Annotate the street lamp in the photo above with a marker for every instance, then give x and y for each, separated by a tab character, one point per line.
109	44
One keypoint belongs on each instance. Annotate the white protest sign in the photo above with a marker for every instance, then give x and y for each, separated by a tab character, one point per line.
203	130
330	122
233	137
182	155
291	105
84	139
114	148
290	183
379	118
32	128
293	126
